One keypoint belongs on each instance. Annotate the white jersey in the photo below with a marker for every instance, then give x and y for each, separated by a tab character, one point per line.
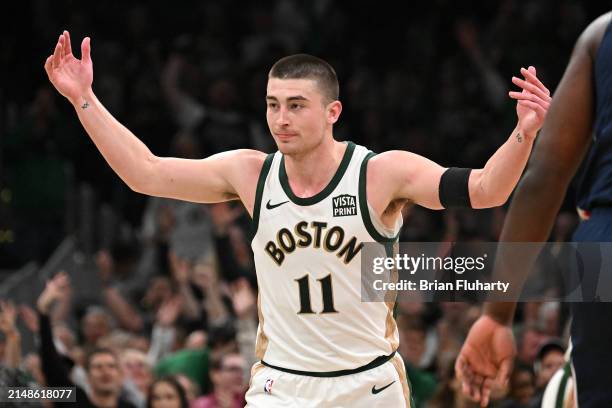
308	261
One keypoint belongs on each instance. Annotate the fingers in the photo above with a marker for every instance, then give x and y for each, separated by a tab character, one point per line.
505	369
86	49
469	390
48	64
486	387
530	76
476	384
528	96
57	53
470	381
539	110
461	366
67	45
63	48
528	86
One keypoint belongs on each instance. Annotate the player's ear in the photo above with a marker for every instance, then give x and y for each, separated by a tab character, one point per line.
334	109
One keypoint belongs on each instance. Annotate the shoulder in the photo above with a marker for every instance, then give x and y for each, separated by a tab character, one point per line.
246	158
394	163
383	166
245	163
386	161
591	37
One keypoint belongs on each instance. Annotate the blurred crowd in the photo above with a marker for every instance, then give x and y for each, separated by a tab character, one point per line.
175	317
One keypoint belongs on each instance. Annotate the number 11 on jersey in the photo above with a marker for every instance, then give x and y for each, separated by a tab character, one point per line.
326	290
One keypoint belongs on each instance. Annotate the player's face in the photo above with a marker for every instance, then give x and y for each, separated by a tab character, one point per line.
298	115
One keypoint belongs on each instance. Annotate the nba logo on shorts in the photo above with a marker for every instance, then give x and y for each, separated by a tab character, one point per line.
268	386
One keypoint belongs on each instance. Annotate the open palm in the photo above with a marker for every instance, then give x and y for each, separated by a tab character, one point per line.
70	76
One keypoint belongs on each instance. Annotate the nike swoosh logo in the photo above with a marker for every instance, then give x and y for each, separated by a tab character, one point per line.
272	206
376	391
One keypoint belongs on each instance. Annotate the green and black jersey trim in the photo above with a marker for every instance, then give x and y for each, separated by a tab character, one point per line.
363	205
261	181
304	201
567	373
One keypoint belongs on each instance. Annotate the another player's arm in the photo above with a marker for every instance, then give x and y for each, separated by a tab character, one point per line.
489	350
564	140
221	177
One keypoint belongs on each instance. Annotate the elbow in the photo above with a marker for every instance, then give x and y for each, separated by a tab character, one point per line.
500	199
140	181
492	200
484	194
136	186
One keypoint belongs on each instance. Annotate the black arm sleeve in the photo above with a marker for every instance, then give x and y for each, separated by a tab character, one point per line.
53	366
453	189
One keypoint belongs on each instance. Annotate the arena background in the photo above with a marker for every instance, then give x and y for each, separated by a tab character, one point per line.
188	78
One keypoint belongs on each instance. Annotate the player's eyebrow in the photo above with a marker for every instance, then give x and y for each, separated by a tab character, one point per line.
290	98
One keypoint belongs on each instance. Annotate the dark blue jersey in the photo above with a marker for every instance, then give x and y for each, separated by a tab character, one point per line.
595	186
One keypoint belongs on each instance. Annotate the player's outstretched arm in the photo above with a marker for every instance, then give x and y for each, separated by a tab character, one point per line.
418	179
220	177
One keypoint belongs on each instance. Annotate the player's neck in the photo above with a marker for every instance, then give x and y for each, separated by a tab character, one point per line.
309	173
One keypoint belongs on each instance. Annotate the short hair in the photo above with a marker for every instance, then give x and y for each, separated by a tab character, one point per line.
98	350
304	66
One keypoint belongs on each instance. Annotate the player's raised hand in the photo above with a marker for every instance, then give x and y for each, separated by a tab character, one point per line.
70	76
486	357
533	102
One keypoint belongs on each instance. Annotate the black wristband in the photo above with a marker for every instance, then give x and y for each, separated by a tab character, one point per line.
453	189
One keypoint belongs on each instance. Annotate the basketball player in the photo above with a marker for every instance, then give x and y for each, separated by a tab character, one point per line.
580	115
313	203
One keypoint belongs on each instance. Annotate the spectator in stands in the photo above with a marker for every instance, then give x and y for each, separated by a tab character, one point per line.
228	383
412	347
529	339
166	392
11	347
522	388
191	388
549	359
95	324
138	373
104	373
